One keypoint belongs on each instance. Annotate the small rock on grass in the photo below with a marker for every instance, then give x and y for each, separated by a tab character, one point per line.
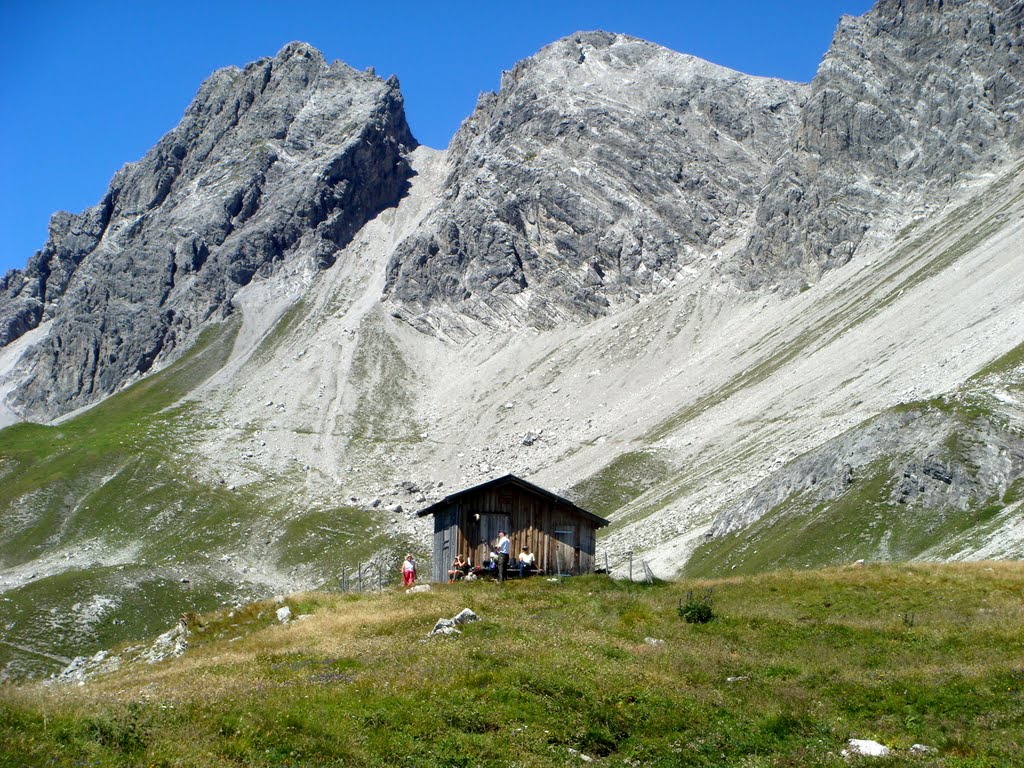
444	627
450	626
864	748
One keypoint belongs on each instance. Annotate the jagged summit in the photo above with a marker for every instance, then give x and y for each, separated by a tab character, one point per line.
277	164
631	51
910	99
300	50
602	167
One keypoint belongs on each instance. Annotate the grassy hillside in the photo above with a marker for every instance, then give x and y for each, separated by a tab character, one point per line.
110	527
566	673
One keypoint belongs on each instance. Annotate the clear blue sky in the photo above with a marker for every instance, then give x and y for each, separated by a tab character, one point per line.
89	86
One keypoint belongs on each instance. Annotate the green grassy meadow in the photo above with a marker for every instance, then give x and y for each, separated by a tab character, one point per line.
581	671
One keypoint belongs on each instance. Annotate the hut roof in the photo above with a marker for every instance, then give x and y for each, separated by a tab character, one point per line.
512	480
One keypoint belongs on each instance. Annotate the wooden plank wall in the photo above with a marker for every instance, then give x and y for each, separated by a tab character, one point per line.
529	520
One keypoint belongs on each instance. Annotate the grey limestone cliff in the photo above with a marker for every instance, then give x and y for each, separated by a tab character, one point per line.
911	98
927	459
603	166
282	160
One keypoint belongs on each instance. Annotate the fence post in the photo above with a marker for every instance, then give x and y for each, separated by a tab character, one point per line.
360	577
630	555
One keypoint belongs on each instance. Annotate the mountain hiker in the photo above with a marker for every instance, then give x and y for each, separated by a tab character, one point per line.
502	548
526	562
408	571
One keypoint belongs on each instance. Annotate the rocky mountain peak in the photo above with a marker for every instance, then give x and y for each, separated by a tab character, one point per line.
909	99
299	51
603	166
280	162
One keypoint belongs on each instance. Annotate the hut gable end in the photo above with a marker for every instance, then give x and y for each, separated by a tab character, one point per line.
560	534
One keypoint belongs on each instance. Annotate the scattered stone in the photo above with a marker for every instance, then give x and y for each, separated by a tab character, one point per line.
441	625
921	749
465	616
737	679
450	626
375	502
859	563
653	641
418	588
171	644
444	630
864	748
584	757
75	672
284	615
394	508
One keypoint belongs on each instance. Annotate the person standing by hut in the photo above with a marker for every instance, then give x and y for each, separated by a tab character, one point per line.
503	548
408	571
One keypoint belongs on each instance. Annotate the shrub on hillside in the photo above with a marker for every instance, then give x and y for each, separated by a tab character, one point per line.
697	610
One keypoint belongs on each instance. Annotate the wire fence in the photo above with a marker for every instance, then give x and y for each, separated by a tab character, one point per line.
629	567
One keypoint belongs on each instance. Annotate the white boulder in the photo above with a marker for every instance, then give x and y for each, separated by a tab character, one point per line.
865	748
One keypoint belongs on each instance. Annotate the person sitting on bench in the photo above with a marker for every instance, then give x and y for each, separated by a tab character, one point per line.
458	569
526	562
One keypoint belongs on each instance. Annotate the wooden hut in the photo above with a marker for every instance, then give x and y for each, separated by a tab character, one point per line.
560	534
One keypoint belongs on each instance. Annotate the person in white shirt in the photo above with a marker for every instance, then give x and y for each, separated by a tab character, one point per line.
526	562
503	547
408	571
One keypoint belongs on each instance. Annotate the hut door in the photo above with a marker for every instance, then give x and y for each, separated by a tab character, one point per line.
447	551
565	549
489	527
